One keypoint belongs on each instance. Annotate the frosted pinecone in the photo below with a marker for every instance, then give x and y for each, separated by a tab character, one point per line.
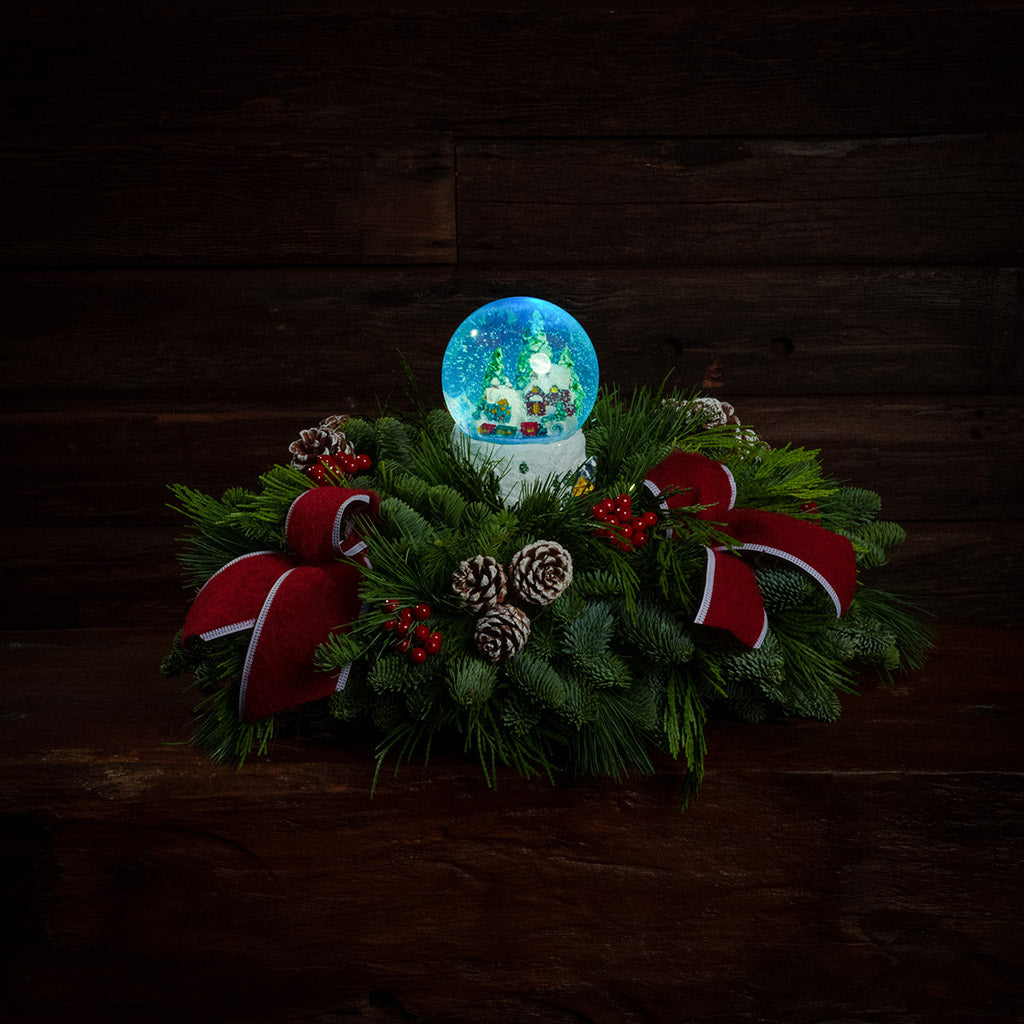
715	413
540	572
334	422
502	632
316	442
480	582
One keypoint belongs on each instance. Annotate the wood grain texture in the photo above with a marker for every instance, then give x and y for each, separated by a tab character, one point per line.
219	222
224	335
747	201
228	200
527	69
825	872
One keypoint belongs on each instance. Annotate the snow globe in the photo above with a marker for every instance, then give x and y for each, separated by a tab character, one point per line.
520	377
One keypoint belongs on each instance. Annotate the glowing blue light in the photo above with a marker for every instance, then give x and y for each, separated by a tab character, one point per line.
519	371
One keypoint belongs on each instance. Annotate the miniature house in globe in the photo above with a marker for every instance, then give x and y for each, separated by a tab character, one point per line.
520	377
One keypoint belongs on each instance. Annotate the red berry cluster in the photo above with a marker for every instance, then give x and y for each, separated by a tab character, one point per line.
621	528
334	467
412	634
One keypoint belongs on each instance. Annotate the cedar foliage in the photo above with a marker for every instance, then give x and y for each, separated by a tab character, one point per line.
614	667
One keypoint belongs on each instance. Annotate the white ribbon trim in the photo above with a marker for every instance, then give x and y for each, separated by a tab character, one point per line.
709	586
254	640
800	564
732	485
343	678
234	627
214	634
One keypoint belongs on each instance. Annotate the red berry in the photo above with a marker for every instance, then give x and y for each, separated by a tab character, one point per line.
350	464
391	604
364	461
389	625
417	655
597	510
639	539
422	611
405	615
624	545
649	519
422	631
606	506
625	530
403	627
402	645
434	642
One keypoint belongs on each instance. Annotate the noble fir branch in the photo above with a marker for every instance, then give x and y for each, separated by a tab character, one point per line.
846	508
589	634
398	517
361	435
782	586
812	677
872	540
904	621
471	680
446	506
396	442
538	680
655	634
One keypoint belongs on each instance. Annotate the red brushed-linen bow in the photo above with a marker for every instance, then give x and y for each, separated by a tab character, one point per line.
732	599
292	601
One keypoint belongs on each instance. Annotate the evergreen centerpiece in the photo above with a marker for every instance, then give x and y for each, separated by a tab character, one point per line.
389	587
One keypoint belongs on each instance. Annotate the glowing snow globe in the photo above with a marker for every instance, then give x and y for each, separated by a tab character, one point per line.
520	377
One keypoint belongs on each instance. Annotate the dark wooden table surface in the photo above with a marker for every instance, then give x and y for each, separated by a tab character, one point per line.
863	871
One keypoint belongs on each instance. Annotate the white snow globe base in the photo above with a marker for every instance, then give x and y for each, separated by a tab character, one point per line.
522	464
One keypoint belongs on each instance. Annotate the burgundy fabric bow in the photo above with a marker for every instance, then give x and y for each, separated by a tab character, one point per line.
732	599
292	602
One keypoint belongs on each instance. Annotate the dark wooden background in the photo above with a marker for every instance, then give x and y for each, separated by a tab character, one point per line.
222	221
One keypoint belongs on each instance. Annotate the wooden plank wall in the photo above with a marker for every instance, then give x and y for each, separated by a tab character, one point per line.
221	222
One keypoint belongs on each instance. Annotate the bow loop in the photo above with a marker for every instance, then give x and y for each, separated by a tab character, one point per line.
292	602
321	522
684	479
732	599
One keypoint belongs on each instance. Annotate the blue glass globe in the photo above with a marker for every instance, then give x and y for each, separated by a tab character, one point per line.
519	371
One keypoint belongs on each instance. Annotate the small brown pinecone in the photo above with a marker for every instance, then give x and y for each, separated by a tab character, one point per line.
316	442
481	582
502	632
540	572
